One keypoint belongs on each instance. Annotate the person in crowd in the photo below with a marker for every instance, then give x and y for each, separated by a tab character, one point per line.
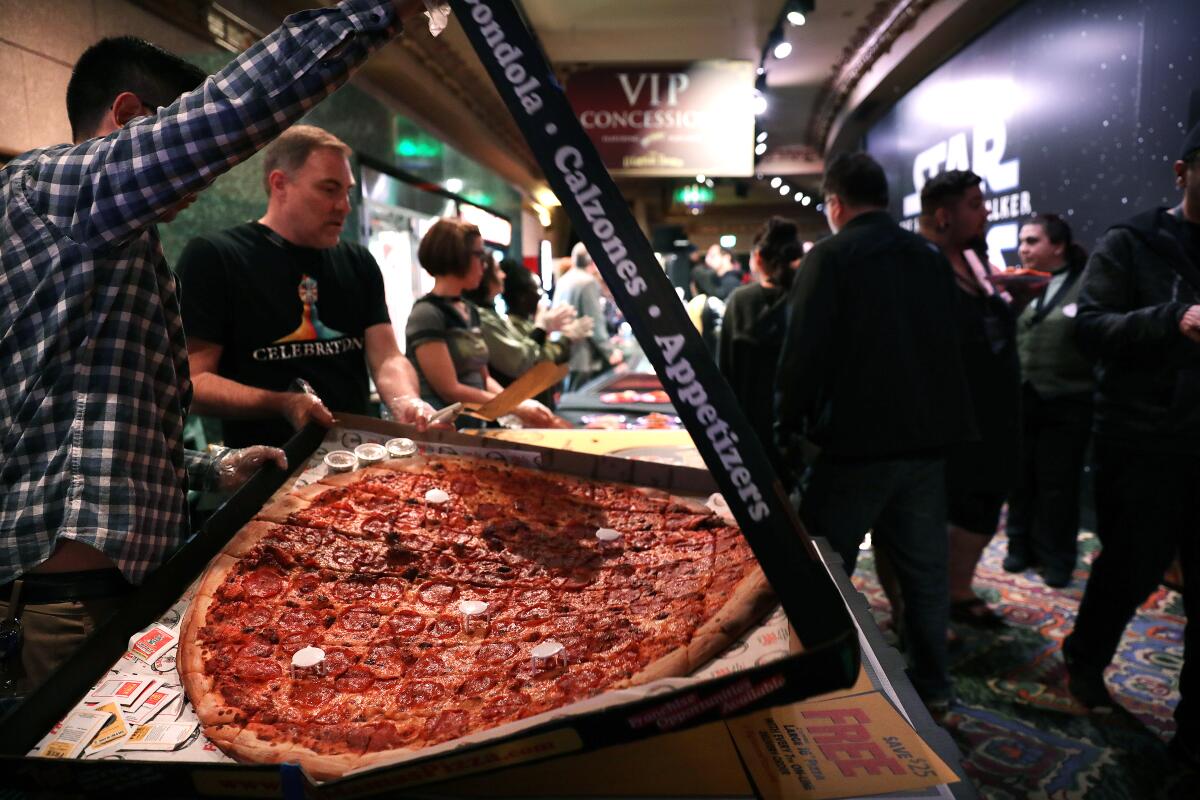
870	372
1139	316
95	368
1056	407
268	302
512	351
443	336
980	474
719	275
752	331
580	289
522	294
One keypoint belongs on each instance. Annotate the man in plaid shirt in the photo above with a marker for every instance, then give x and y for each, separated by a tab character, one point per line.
94	383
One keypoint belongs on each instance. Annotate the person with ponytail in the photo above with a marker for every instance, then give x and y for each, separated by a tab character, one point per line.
753	327
1056	401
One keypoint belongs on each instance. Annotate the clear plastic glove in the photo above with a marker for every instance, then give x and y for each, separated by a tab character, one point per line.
232	468
301	408
554	319
409	410
535	415
579	328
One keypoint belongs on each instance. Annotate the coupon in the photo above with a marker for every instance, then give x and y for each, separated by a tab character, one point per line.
77	730
113	732
155	702
152	643
159	736
125	689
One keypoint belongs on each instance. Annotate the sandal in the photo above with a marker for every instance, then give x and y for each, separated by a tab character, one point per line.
975	612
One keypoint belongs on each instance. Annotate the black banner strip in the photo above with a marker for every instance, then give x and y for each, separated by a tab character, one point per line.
702	398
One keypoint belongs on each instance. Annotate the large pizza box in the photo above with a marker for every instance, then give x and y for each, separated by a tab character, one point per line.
767	667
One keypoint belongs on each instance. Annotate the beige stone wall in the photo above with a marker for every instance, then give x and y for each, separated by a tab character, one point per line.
40	40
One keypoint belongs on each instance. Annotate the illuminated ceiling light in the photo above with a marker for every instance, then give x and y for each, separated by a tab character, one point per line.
759	104
728	241
783	50
784	189
546	197
760	148
700	179
454	185
796	18
805	200
709	183
776	181
760	71
762	137
798	197
543	214
820	206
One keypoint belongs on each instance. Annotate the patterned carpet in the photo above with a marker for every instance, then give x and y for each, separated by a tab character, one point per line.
1021	734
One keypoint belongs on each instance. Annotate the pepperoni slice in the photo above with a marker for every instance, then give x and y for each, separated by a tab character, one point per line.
257	648
386	590
445	627
507	707
437	594
495	652
293	620
389	736
476	685
531	597
358	619
581	682
534	614
310	694
256	669
418	694
388	660
336	663
355	679
446	725
428	666
404	623
352	590
263	583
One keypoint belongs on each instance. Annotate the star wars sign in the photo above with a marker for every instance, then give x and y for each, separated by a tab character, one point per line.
669	120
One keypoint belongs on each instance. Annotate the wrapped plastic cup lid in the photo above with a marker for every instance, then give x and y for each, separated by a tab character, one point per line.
436	496
547	649
401	447
607	534
472	608
307	657
341	460
370	453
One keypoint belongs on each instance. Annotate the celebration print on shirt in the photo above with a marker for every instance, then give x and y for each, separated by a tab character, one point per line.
311	328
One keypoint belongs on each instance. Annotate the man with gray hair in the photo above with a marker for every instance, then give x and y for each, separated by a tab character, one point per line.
266	303
580	288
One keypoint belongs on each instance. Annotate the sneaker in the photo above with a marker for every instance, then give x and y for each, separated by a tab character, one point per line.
1087	686
1016	562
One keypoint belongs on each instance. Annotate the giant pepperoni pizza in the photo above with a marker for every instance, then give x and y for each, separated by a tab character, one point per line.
448	595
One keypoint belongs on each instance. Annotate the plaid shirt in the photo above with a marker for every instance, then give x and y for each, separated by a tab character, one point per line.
94	379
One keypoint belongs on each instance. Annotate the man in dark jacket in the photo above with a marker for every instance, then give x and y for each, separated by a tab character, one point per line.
870	373
1139	316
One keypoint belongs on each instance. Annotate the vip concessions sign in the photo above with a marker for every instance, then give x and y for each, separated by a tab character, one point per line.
669	120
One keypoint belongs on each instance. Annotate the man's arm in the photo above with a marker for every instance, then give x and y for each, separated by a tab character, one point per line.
222	397
805	359
395	377
1108	325
125	181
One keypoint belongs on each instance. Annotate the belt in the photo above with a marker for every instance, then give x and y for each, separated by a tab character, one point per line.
64	587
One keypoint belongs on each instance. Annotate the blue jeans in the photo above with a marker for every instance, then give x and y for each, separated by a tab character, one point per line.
903	502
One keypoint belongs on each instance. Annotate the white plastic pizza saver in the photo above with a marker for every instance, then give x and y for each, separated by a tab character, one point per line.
370	453
547	649
436	496
401	447
308	657
608	534
341	461
472	608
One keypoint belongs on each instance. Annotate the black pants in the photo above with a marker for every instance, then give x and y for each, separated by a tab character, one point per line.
1043	511
903	502
1147	507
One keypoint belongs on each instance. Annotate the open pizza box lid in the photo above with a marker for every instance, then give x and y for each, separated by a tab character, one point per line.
764	668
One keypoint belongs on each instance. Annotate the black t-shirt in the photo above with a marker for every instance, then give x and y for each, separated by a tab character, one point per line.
280	312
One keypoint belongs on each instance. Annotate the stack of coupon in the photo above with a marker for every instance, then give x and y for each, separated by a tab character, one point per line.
125	711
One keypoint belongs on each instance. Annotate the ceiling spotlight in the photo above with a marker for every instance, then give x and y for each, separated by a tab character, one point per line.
759	104
760	71
454	185
820	206
728	241
776	181
760	148
762	136
700	178
783	50
784	189
796	18
709	183
805	200
798	197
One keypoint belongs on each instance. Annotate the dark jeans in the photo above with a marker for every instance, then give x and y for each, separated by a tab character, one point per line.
1147	507
903	503
1043	511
